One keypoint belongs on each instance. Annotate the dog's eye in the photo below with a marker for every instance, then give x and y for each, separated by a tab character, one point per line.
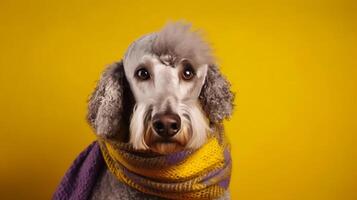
142	74
188	72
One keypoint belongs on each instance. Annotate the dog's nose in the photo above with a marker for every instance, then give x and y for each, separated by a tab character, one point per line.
166	125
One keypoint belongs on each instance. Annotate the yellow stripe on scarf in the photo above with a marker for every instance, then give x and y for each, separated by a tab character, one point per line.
210	156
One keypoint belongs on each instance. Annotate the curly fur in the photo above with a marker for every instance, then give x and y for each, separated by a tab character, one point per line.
177	40
216	97
112	108
107	102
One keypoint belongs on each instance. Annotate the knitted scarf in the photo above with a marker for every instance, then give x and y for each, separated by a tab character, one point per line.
201	174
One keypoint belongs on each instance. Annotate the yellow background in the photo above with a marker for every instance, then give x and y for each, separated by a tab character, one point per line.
292	64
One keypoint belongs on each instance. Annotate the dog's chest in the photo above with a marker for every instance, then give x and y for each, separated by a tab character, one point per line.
110	188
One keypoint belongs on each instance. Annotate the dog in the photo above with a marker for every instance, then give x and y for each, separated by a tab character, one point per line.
165	96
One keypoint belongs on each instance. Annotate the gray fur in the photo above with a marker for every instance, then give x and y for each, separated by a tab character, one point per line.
139	48
216	97
106	103
108	187
177	40
105	106
110	106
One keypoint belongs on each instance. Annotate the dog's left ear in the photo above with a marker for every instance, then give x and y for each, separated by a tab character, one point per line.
216	97
106	104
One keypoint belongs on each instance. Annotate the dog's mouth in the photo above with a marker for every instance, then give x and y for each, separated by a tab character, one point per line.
166	146
162	145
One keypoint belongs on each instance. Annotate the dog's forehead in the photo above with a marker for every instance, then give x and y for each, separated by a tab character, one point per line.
173	43
137	50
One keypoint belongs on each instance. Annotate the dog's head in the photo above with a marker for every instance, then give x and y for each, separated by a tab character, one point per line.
165	95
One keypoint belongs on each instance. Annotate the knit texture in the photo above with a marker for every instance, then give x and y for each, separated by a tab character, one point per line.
201	174
78	182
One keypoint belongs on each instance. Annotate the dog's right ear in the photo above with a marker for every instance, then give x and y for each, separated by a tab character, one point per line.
106	106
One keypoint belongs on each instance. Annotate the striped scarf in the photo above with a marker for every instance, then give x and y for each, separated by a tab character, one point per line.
200	174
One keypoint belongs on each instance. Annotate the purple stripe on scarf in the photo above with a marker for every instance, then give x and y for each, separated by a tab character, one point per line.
225	183
227	155
215	175
80	178
207	179
175	158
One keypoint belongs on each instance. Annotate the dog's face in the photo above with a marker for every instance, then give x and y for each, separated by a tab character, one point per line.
167	116
179	96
